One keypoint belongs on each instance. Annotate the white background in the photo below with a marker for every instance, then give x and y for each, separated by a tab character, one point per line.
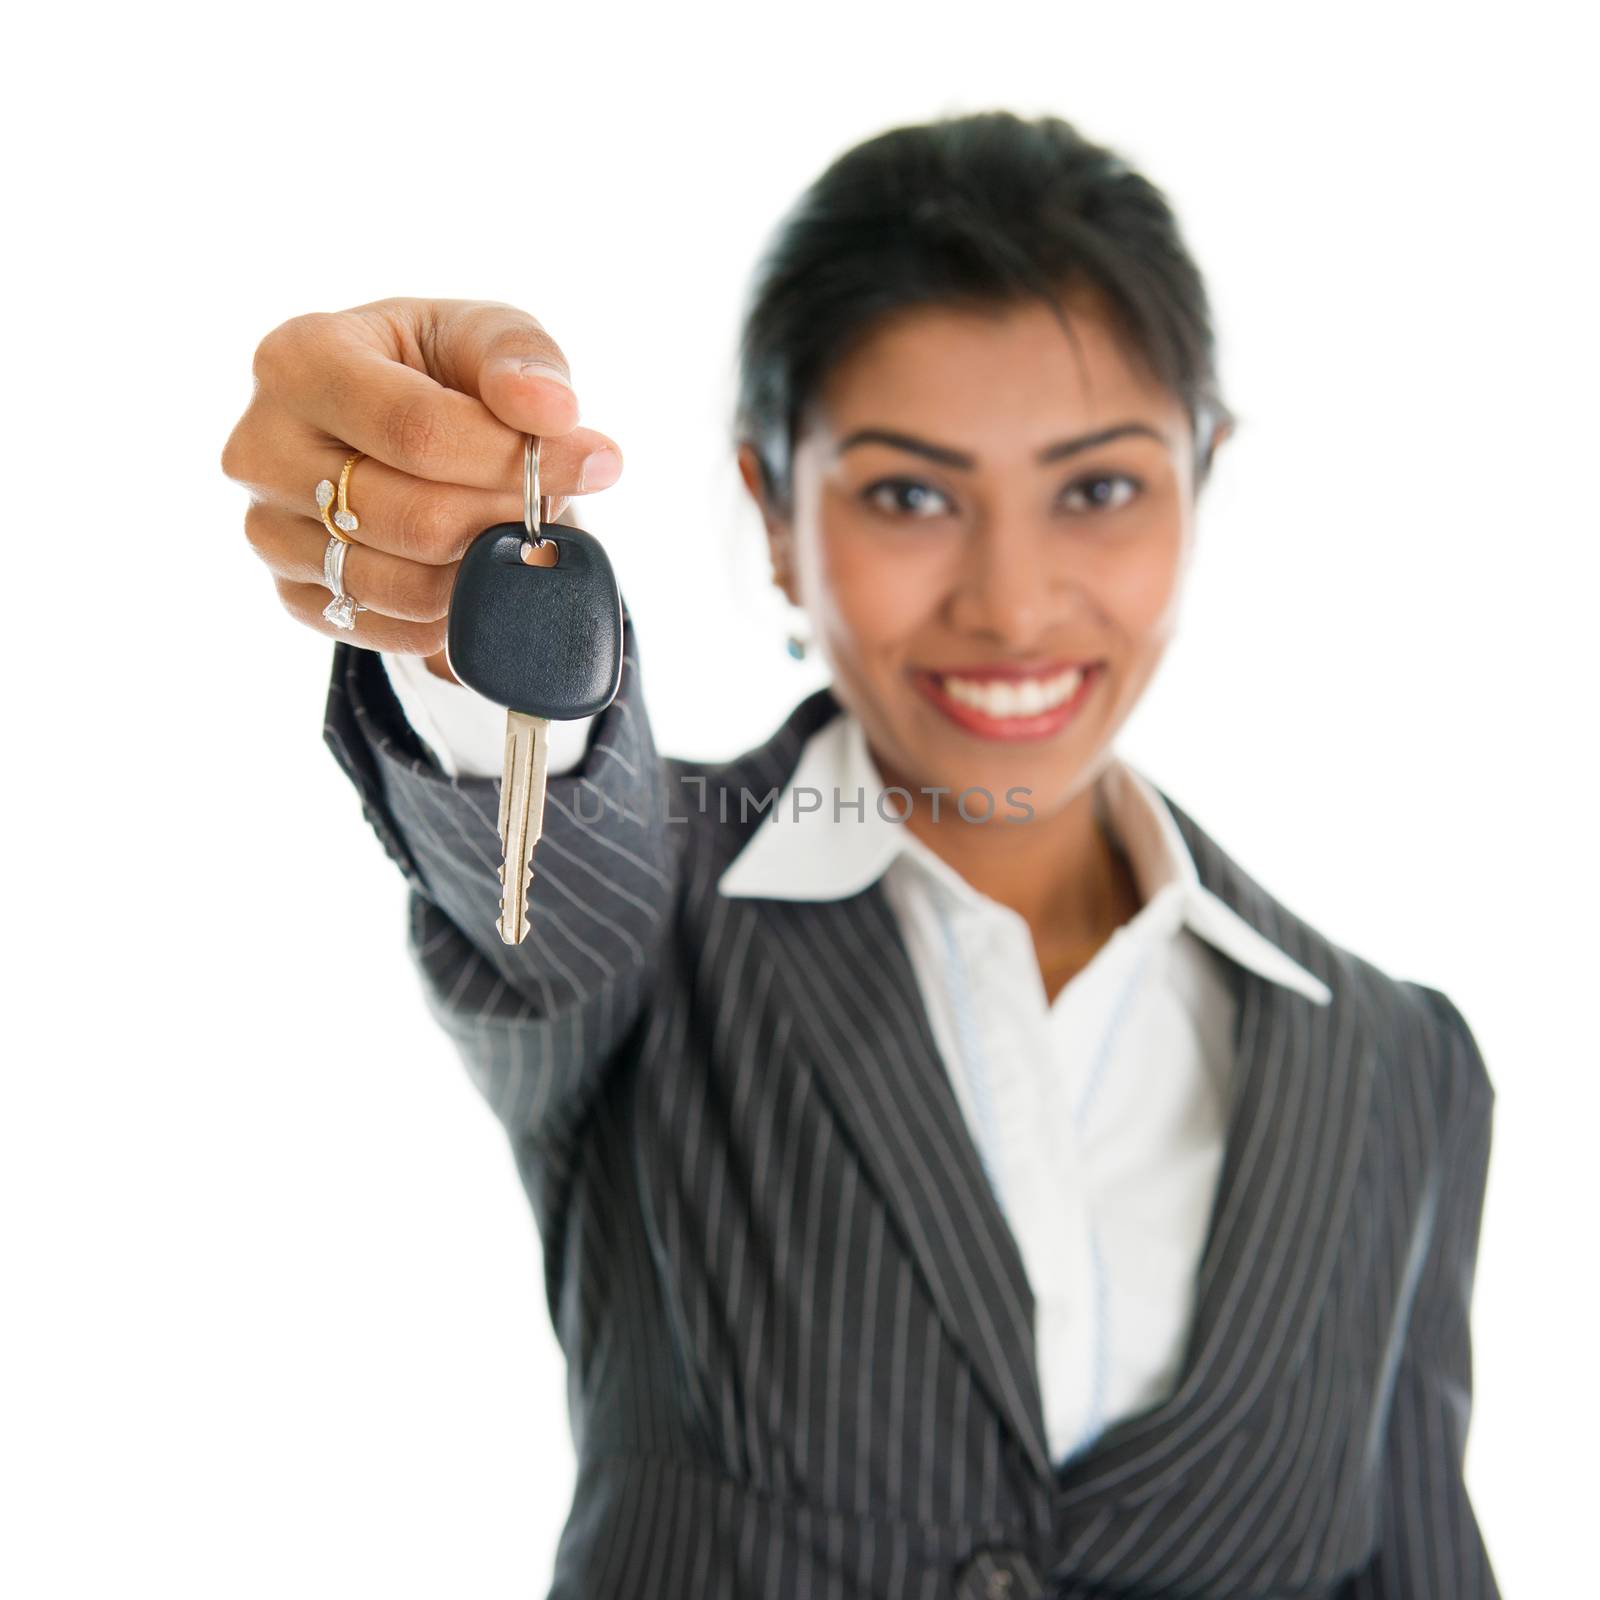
273	1307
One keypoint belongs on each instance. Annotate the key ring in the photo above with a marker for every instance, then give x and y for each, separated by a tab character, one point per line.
532	446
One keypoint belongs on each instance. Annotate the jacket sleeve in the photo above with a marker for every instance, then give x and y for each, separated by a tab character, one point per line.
537	1023
1430	1543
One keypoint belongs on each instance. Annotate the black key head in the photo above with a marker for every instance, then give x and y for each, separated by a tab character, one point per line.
546	641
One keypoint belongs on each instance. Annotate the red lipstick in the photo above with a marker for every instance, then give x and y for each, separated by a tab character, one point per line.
1009	729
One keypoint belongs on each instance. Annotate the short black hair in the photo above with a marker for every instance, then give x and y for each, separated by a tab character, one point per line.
980	210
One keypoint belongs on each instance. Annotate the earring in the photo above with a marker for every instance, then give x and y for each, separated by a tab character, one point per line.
796	640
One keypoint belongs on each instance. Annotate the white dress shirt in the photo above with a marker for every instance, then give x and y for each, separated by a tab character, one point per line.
1099	1118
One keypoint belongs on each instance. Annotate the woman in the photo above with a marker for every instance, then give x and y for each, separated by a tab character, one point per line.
956	1175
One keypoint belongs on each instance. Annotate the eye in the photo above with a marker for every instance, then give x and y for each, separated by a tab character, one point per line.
1101	491
904	497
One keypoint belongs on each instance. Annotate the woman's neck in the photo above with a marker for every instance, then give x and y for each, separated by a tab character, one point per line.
1064	874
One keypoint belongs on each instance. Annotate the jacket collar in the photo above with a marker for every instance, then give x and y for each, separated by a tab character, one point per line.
827	838
1296	1133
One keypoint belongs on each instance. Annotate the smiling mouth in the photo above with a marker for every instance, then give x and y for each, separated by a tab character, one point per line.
1009	705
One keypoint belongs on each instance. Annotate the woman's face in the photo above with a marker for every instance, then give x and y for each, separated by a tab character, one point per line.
990	534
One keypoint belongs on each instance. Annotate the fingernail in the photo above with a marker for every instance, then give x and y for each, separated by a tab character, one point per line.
532	367
600	469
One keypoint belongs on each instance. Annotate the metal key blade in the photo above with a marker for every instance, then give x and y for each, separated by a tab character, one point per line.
521	818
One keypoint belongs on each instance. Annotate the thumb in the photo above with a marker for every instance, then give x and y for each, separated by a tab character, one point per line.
504	358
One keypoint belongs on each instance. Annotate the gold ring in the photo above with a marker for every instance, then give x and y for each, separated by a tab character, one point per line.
342	522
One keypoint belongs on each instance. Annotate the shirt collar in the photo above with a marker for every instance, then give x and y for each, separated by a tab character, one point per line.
832	832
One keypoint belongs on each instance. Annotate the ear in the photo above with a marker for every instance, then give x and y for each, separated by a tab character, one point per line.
780	544
1222	432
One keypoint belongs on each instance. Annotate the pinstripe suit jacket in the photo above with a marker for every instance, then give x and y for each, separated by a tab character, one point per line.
798	1330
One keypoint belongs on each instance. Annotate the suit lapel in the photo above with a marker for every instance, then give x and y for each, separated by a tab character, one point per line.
1301	1089
864	1030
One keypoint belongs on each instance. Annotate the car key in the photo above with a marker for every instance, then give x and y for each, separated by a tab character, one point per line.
545	642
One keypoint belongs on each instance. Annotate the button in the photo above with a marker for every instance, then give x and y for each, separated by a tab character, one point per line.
998	1574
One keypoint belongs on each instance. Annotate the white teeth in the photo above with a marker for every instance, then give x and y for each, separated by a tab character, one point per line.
1027	698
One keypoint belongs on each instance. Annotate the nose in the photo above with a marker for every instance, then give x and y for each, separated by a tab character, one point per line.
1011	590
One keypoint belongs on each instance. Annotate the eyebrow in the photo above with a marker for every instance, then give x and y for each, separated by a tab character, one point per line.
959	458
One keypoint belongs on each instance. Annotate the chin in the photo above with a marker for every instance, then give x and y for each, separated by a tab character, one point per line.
1042	783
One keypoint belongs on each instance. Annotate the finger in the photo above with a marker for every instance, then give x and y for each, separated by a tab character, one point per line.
292	547
504	357
328	372
416	518
373	630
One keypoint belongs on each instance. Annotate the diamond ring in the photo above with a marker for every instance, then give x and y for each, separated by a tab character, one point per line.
342	522
341	610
